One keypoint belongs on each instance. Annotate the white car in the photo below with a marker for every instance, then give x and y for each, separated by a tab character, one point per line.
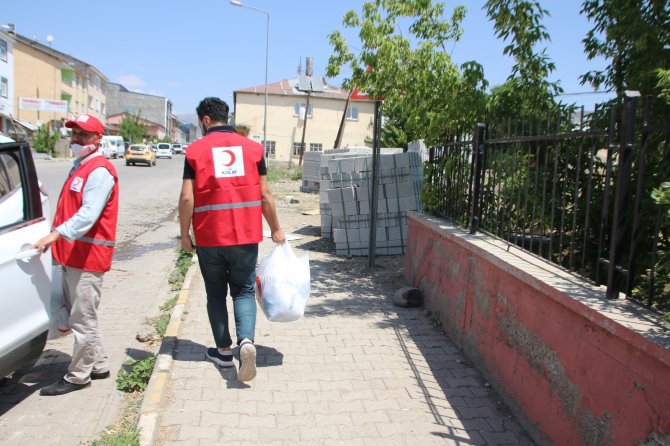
178	149
107	149
163	150
25	273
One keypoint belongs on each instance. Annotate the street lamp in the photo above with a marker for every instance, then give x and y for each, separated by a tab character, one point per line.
267	42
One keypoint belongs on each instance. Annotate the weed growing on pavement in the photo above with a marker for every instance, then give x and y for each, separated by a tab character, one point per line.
124	430
137	378
277	174
161	322
184	262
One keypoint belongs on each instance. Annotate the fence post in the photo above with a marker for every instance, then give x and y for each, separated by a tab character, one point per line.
479	147
621	193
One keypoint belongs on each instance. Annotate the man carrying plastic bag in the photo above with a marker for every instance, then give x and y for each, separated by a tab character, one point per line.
224	193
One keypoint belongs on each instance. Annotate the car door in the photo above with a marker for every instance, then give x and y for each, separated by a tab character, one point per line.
25	274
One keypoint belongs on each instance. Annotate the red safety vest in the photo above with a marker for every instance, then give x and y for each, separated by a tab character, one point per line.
227	193
94	250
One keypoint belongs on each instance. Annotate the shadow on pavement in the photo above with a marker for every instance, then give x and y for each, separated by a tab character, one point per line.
49	368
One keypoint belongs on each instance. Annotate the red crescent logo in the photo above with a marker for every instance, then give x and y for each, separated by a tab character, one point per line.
232	158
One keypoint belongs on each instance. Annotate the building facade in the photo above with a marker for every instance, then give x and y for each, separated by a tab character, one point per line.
51	87
286	106
152	108
6	80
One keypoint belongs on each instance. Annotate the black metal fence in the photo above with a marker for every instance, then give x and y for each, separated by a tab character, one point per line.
574	189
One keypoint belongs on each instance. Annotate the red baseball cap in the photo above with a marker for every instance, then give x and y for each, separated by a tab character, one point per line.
88	123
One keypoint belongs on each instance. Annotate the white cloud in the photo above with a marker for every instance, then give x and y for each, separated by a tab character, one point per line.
132	82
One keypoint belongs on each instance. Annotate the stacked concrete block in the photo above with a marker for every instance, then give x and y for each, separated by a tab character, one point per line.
311	172
347	206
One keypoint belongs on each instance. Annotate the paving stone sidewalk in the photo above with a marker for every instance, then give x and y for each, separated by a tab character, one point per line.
356	370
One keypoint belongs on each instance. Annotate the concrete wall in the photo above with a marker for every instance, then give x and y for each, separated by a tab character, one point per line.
577	368
152	108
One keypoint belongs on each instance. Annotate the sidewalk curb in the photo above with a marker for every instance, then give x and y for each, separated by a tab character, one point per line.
153	395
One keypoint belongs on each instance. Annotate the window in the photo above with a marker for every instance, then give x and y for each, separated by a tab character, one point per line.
299	110
270	147
90	101
3	50
4	87
315	147
66	76
352	114
10	186
296	149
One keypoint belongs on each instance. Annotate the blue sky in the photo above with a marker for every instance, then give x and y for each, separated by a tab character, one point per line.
188	50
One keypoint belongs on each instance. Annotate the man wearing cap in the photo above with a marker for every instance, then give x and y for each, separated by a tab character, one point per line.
82	243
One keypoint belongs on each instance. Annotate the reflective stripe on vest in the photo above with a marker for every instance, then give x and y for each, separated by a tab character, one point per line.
94	241
219	207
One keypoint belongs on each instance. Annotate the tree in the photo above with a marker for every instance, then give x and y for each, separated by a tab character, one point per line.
44	141
425	94
527	90
132	129
634	37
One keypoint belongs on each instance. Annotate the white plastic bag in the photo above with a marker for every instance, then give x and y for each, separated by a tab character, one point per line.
59	319
283	284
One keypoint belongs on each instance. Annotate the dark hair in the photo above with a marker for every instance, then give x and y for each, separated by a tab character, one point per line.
215	108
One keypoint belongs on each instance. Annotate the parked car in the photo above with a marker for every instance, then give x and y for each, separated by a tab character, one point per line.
118	143
140	153
25	273
177	149
163	150
107	149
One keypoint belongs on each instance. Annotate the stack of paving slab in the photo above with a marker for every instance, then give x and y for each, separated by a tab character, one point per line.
346	199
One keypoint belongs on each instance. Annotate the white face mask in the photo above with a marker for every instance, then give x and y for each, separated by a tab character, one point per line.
78	148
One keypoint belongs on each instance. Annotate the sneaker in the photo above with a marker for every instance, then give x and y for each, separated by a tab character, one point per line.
100	375
222	360
62	387
247	361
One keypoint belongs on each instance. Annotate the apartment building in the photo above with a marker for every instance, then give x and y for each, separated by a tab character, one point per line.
286	106
6	80
51	86
157	109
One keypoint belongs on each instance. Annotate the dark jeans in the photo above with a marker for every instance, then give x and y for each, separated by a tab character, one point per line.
234	267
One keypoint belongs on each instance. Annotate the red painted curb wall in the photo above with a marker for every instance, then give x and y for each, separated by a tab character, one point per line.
572	375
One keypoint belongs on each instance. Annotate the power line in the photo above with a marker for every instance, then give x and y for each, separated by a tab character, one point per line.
579	93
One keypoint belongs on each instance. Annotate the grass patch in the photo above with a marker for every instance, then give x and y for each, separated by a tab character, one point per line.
277	174
183	263
124	431
161	322
137	378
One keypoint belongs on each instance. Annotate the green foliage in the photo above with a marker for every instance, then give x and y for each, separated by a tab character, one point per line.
43	141
632	35
137	379
161	322
425	95
132	129
124	431
279	174
183	263
527	90
663	84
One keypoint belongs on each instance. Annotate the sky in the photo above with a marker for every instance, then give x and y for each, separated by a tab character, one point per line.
189	50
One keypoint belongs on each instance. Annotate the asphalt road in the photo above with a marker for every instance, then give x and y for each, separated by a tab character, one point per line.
135	288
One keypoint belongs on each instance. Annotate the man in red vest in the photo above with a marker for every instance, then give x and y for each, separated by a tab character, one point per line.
224	194
82	243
